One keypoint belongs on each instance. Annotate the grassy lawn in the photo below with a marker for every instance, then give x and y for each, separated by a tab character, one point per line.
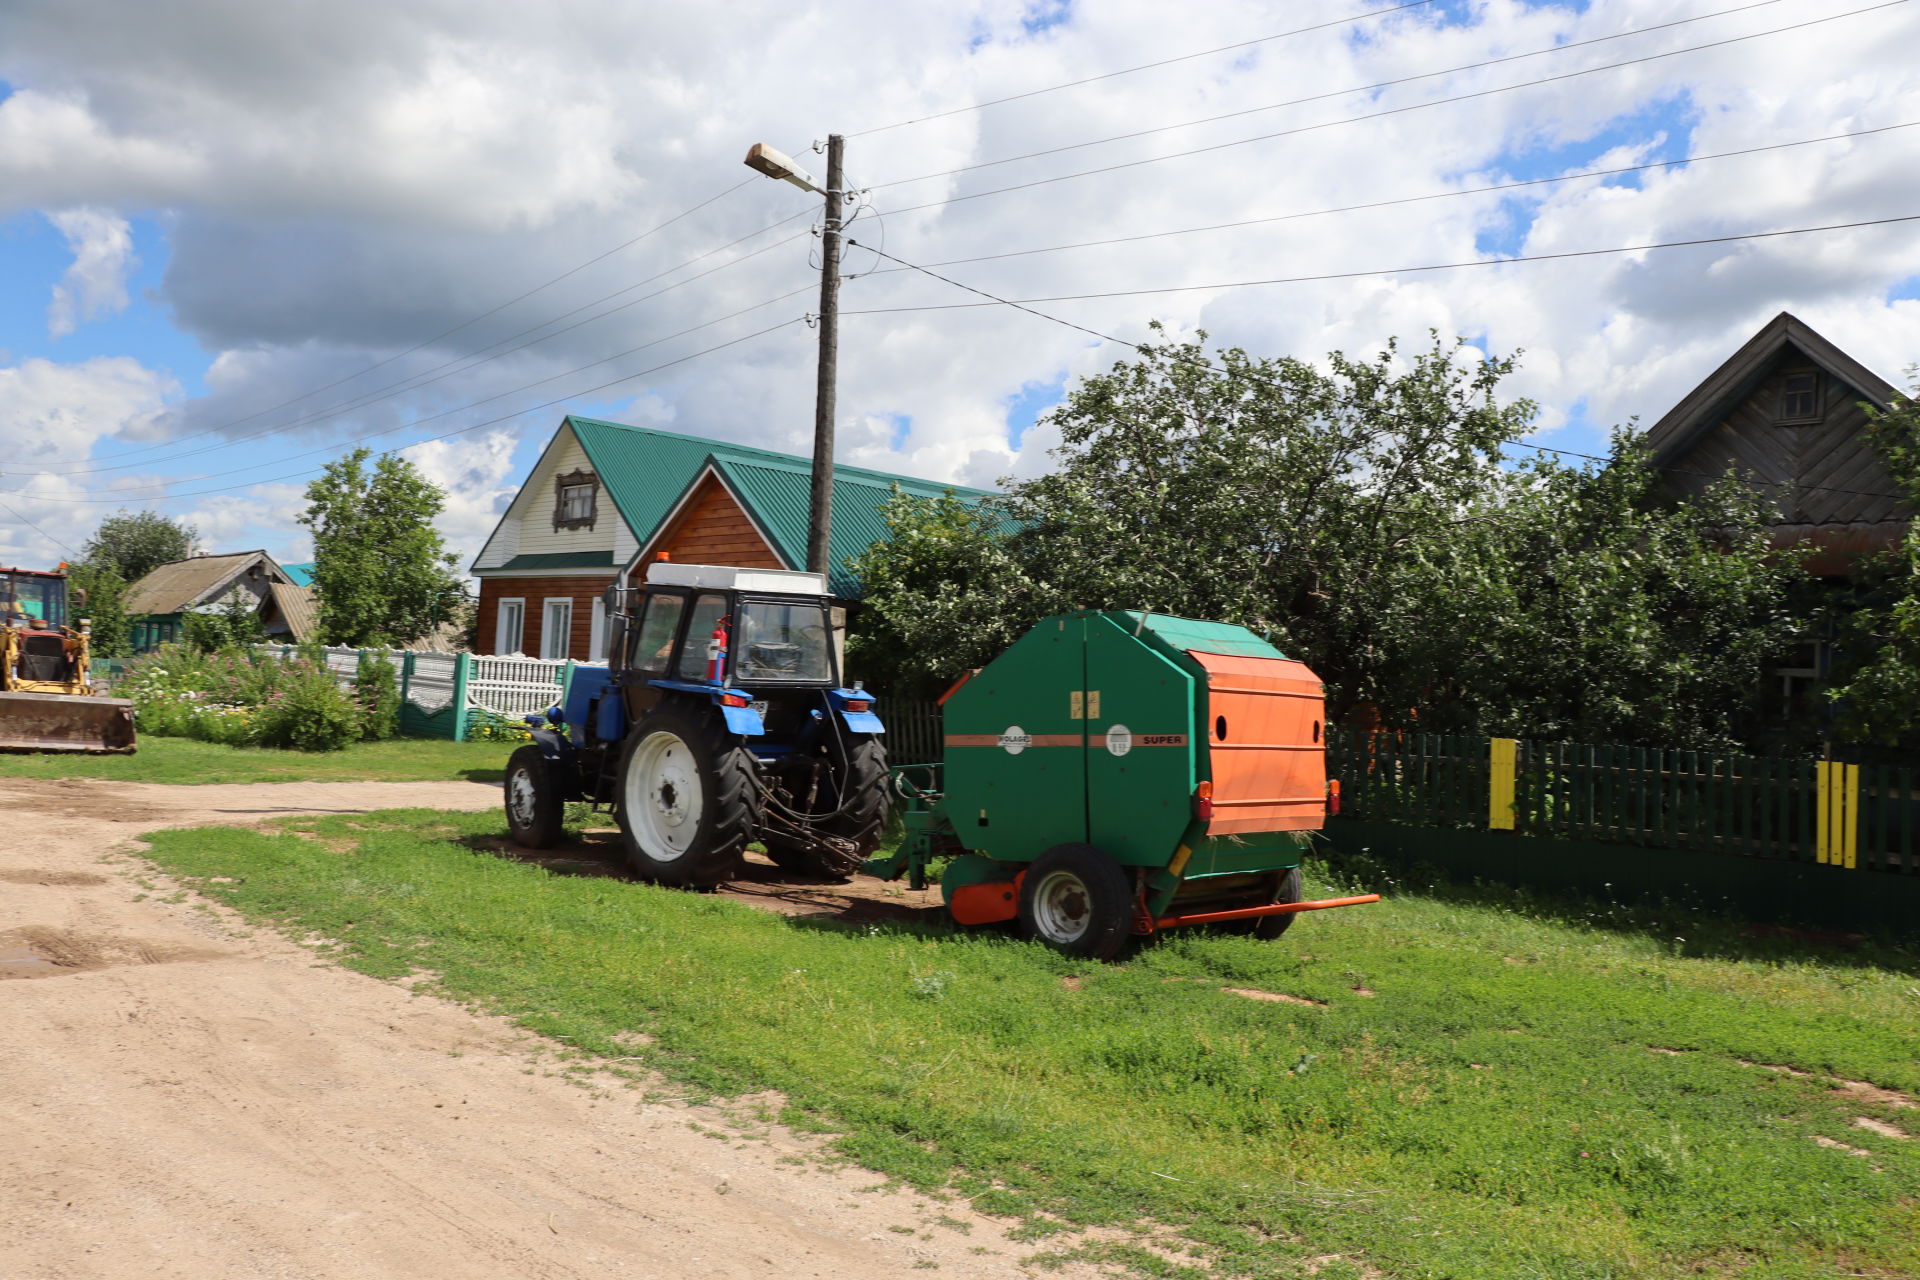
183	760
1493	1087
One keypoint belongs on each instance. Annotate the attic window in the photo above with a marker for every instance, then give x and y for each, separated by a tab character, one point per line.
575	497
1800	397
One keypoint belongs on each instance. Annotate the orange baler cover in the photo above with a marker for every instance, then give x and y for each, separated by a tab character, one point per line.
1265	730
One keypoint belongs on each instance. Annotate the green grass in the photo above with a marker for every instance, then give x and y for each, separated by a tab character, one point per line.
1495	1111
184	760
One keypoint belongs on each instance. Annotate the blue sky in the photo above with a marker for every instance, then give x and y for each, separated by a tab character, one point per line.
295	211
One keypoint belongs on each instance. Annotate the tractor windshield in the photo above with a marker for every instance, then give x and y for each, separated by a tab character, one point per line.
32	599
781	642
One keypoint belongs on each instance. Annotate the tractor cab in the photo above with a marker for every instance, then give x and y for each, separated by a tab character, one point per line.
765	645
42	651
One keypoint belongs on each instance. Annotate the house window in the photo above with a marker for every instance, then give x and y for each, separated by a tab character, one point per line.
1800	397
597	633
575	497
509	631
556	629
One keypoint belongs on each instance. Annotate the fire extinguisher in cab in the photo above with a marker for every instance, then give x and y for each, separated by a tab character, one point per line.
717	651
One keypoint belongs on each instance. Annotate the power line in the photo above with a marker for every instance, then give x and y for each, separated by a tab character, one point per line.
1020	305
420	380
1434	195
1392	111
1145	66
445	333
1353	275
37	529
1335	93
122	495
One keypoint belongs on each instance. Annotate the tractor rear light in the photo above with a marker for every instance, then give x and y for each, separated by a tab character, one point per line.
735	700
1333	797
858	704
1203	802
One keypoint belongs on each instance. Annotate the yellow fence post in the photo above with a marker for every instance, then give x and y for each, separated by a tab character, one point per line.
1837	814
1501	754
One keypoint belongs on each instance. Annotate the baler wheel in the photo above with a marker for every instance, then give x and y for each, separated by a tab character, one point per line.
687	798
1075	899
1288	890
533	801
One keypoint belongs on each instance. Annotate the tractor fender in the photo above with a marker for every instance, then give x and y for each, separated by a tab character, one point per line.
861	721
742	720
555	746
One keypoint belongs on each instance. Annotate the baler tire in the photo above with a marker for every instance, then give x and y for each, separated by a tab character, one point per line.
532	797
1048	909
722	769
1288	890
862	773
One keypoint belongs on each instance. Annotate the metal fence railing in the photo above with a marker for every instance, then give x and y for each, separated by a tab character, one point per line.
1864	816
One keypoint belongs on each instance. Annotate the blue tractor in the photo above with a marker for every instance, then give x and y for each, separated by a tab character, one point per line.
722	718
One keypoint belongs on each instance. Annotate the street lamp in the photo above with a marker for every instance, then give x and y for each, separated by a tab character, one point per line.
777	164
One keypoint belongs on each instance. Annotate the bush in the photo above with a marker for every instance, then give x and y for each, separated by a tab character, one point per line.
491	726
376	688
239	698
308	711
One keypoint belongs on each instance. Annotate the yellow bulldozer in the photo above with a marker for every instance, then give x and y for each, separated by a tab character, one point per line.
47	700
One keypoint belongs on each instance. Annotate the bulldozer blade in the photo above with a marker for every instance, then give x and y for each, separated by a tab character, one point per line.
66	722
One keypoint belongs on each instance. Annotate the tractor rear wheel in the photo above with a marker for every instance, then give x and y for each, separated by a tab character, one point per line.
1288	890
534	806
687	798
1076	899
857	803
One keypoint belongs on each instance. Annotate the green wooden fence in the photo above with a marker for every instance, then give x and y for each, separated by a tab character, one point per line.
1857	816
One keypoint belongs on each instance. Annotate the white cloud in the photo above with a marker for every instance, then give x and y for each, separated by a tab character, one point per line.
344	182
96	283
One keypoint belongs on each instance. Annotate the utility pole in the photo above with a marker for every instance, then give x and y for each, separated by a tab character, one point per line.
777	164
820	515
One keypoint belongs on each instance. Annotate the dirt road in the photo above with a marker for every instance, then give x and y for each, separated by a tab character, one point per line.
181	1096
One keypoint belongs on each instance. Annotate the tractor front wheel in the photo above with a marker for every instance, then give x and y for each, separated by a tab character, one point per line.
533	799
1075	899
687	798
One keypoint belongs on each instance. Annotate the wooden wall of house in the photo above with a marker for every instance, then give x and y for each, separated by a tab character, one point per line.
1805	465
713	529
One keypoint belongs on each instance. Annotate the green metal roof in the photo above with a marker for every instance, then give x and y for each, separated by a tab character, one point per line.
560	560
1204	637
647	471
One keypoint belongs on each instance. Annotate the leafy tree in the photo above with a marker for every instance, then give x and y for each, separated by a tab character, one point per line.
1578	604
1364	516
105	607
381	572
1877	678
134	542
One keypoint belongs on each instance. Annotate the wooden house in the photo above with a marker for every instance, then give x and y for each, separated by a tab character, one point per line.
158	603
1786	412
605	497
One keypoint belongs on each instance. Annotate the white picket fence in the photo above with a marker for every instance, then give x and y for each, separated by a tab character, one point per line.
440	691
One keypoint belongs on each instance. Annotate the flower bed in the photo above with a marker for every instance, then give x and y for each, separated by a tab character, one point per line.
243	699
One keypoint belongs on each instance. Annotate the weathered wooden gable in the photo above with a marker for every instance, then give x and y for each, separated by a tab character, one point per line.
1786	412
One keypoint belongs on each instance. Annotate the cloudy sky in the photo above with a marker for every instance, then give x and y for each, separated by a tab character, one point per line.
236	238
